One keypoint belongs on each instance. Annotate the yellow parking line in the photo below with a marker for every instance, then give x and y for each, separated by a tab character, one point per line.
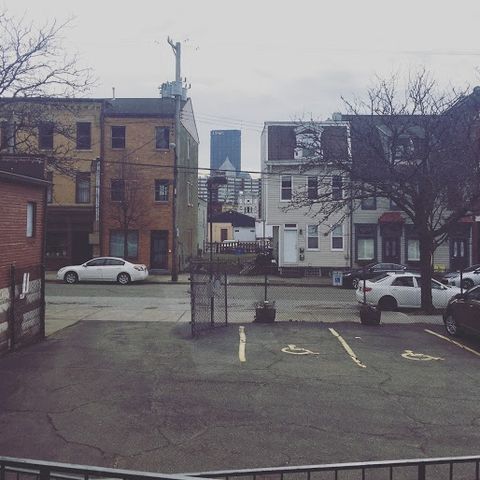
347	348
242	344
458	344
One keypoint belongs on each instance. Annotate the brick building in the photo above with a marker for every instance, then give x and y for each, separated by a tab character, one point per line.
23	195
137	181
95	145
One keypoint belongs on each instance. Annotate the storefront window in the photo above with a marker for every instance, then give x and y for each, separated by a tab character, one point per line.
56	244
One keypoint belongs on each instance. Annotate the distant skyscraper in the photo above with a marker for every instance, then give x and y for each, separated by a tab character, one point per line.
225	144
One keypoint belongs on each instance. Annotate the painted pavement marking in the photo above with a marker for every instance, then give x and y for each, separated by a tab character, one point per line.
458	344
294	350
241	346
347	348
422	357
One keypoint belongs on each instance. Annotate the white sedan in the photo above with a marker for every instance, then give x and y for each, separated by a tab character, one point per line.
104	269
390	291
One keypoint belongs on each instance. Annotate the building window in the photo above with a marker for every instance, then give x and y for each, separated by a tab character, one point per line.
162	138
161	190
117	242
49	177
56	244
337	238
45	136
118	137
84	135
413	250
82	191
31	218
365	249
117	190
365	242
286	193
369	203
312	237
7	138
312	187
337	187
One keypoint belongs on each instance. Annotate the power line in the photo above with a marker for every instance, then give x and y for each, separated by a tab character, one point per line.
197	169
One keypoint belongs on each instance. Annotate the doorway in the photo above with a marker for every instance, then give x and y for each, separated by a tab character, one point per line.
290	246
391	250
159	249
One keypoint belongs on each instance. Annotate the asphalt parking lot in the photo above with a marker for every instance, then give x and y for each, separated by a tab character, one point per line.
144	395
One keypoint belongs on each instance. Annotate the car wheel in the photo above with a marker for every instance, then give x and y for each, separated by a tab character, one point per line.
387	304
467	284
355	282
451	325
70	278
123	278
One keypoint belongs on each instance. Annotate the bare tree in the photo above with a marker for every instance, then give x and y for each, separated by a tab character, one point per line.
36	78
416	146
127	211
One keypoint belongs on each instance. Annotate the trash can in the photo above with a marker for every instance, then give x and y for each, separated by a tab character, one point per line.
370	315
265	312
337	279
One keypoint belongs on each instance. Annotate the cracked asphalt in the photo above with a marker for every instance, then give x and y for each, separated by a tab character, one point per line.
144	395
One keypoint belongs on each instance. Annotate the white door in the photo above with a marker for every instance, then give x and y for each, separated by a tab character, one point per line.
290	246
112	268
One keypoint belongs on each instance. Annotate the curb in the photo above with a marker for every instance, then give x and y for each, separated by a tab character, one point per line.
141	283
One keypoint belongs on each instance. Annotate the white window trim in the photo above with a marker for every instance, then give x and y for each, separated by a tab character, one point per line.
318	237
291	188
338	236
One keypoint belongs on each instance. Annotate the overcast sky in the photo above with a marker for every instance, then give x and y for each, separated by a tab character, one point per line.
253	61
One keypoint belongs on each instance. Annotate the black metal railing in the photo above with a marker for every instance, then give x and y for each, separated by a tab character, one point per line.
26	469
451	468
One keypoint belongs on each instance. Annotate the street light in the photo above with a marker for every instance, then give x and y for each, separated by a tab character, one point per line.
213	183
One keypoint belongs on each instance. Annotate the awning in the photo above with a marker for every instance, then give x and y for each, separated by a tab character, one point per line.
391	217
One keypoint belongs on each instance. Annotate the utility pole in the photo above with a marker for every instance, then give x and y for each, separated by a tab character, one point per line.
176	47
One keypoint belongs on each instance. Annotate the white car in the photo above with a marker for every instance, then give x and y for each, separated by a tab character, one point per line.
470	277
392	290
104	269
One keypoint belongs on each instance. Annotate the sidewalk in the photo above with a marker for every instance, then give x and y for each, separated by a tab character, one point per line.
184	279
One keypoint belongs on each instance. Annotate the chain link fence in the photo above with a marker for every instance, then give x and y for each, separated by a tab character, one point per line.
237	290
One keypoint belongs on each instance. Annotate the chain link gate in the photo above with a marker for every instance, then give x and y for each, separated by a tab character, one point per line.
208	296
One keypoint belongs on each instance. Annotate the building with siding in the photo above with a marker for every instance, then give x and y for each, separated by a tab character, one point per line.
383	233
301	242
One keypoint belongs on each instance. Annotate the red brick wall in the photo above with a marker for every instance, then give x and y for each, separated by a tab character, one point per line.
140	148
15	246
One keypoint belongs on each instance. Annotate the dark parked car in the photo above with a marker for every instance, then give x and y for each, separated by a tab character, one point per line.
463	313
351	278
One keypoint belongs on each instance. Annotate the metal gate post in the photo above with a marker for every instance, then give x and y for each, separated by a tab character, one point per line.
225	278
42	299
12	308
192	303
